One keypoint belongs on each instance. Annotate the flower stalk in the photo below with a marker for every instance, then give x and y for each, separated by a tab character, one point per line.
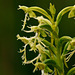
56	51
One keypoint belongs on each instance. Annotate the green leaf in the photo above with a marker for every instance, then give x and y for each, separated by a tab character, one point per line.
65	63
61	41
47	53
52	9
49	45
69	46
65	48
43	33
61	13
42	11
49	28
52	63
71	71
72	13
48	70
32	14
64	39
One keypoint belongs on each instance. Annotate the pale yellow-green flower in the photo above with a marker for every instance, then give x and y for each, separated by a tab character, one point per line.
32	41
27	11
71	45
43	20
39	65
72	48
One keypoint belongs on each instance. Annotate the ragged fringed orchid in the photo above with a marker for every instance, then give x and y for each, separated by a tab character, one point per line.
52	56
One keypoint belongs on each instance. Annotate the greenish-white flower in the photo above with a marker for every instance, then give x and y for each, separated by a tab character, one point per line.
72	48
39	65
27	11
32	41
43	20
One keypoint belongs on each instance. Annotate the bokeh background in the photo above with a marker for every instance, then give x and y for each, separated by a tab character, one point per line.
10	26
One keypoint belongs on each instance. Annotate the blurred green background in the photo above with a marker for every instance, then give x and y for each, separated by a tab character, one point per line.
10	26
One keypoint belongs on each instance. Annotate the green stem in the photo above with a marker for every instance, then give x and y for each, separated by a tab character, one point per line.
62	74
55	71
52	44
60	63
52	40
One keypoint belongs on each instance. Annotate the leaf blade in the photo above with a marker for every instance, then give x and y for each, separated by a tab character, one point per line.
42	11
61	13
53	63
71	71
49	28
49	45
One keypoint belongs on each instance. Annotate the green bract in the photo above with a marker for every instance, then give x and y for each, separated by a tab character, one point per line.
72	12
52	10
54	53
